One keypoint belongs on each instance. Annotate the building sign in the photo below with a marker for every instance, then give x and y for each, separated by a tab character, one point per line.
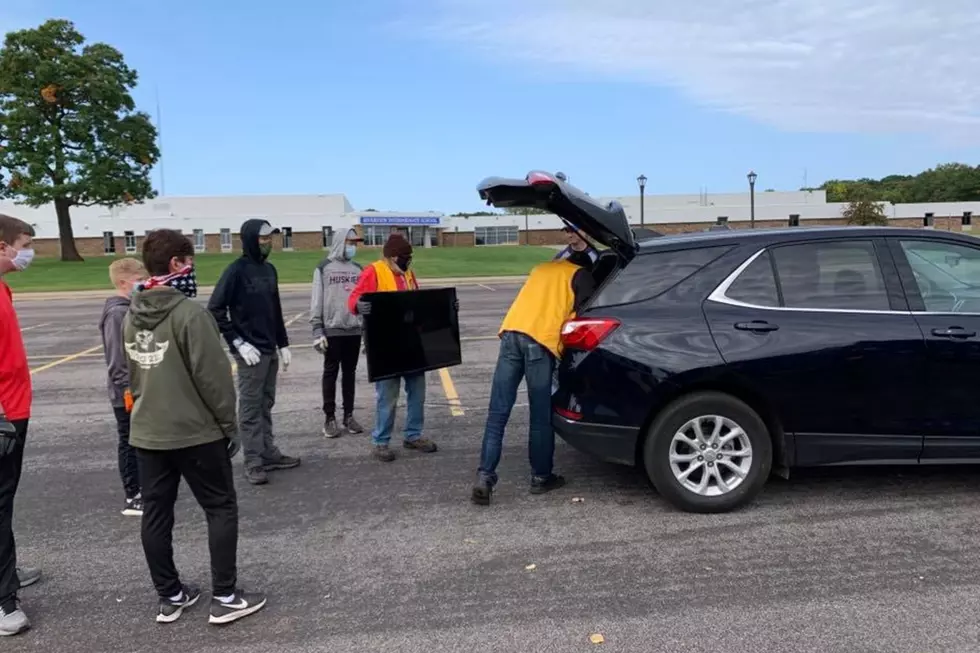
397	221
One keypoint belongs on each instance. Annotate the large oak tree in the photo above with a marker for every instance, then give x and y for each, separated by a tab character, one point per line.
70	134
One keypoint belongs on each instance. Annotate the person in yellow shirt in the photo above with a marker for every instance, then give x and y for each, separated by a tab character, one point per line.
529	346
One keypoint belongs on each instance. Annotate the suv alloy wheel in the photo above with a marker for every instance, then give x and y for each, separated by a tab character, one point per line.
708	452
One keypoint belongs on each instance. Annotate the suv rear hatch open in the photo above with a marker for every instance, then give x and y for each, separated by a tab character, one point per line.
606	224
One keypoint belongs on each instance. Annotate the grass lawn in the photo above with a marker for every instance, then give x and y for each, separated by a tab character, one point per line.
49	274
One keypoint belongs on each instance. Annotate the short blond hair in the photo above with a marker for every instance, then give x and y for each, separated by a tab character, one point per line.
125	269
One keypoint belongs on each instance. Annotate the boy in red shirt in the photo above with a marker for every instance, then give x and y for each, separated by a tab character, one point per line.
15	411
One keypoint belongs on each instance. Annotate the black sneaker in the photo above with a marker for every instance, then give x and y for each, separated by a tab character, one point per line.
540	485
256	475
133	507
482	492
241	605
282	462
352	425
382	452
331	429
170	611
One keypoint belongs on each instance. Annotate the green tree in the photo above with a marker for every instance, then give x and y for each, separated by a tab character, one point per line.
69	131
864	212
949	182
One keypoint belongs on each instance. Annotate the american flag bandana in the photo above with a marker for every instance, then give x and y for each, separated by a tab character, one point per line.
184	280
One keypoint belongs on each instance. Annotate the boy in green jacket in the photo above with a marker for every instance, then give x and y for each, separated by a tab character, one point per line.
183	424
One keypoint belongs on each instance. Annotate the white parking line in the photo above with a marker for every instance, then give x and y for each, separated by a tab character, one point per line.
36	326
487	287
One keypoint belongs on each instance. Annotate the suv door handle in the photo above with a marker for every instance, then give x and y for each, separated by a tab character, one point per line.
954	332
757	326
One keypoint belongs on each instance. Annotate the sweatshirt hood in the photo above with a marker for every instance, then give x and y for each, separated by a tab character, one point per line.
338	251
114	303
250	232
151	307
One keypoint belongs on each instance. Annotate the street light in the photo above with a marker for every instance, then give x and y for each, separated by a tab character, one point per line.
752	177
642	181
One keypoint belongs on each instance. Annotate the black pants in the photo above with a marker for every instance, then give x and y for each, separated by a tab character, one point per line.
128	467
207	470
10	468
342	355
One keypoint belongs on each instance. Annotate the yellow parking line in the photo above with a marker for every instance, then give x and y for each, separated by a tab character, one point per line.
66	359
449	388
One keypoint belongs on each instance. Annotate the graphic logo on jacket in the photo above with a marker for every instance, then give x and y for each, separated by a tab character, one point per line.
146	351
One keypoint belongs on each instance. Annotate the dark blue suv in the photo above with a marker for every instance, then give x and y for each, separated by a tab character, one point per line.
712	359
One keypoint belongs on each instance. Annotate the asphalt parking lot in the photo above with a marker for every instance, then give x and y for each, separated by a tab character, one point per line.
361	556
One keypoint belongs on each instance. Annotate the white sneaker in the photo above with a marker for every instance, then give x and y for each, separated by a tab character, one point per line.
13	623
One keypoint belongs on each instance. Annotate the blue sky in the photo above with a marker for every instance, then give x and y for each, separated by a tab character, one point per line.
407	105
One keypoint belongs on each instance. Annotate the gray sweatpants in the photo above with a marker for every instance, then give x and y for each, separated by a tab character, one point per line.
256	397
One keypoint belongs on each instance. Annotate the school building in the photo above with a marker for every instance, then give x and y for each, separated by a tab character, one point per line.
310	222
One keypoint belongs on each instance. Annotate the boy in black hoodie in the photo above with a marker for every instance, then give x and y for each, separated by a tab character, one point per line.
246	306
124	274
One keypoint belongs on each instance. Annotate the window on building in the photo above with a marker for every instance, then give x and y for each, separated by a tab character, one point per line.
200	243
497	235
967	218
108	242
794	219
929	220
722	219
327	237
130	241
225	240
287	237
375	236
831	275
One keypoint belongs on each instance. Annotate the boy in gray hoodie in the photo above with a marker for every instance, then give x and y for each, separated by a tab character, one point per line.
124	274
336	332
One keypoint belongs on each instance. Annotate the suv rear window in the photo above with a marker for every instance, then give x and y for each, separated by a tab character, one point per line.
650	275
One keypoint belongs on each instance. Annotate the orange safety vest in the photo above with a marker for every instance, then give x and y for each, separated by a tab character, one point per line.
545	301
387	281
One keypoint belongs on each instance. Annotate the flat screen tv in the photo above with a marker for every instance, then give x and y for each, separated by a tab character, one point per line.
411	332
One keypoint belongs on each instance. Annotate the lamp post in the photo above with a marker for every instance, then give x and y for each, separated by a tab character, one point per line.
642	181
752	177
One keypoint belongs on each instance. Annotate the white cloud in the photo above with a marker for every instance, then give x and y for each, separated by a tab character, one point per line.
809	65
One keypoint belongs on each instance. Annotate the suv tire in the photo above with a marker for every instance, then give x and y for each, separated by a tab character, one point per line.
713	407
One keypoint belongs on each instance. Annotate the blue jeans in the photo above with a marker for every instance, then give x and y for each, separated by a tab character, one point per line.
387	401
520	357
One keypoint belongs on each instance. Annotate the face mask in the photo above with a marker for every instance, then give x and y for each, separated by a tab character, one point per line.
23	259
403	262
265	249
350	251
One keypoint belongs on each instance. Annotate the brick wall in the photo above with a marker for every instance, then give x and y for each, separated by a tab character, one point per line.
91	247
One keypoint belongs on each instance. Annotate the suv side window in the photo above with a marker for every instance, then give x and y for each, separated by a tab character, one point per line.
756	285
947	275
842	275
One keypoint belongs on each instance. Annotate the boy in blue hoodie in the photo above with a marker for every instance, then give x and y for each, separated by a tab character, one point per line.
125	274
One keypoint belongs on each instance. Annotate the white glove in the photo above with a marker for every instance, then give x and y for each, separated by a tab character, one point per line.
285	357
248	352
320	344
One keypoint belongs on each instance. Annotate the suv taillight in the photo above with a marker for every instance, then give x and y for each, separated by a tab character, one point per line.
586	333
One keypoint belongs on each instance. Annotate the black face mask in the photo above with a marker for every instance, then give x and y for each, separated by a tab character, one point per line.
403	262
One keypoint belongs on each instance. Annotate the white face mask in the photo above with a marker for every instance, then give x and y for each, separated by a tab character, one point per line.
23	258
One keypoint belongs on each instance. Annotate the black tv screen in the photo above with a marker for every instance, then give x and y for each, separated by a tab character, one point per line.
411	332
